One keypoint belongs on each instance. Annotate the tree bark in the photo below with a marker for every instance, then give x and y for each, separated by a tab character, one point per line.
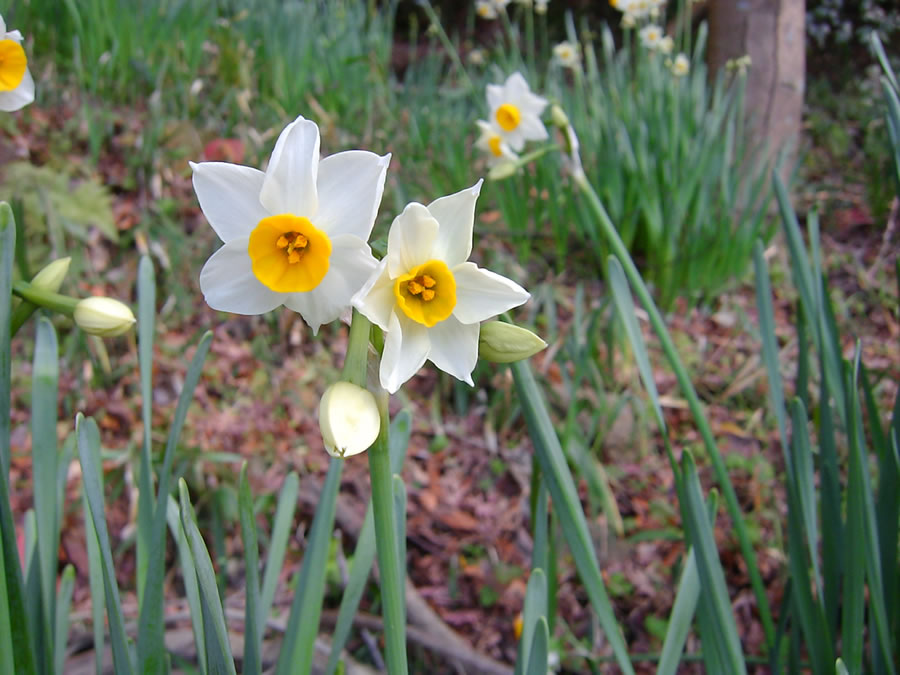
773	34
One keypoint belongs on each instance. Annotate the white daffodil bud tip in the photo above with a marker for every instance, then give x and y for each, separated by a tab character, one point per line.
348	419
502	342
51	277
105	317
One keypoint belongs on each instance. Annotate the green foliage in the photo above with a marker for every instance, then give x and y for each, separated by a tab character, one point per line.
842	533
68	204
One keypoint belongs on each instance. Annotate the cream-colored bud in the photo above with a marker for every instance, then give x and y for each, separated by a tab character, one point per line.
502	342
503	170
348	419
50	278
558	117
106	317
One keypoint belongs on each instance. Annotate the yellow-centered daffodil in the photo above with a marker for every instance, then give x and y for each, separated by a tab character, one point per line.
16	83
295	235
516	111
427	297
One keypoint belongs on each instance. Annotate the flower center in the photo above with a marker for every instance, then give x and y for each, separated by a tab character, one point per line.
494	145
289	254
427	293
12	64
508	116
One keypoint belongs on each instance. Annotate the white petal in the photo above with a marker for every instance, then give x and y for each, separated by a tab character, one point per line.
350	186
290	183
516	87
406	346
20	96
454	348
456	215
481	294
350	266
515	139
532	128
229	285
229	197
2	27
411	239
375	300
494	97
532	104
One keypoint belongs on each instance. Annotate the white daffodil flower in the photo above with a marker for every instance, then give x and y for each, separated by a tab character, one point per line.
425	295
540	6
650	35
566	54
516	111
666	44
492	143
16	83
486	9
295	235
681	66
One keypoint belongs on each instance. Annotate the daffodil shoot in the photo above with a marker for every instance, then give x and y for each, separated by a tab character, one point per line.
295	235
427	297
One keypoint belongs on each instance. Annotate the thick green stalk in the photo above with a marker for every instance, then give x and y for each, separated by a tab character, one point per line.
57	302
392	581
687	387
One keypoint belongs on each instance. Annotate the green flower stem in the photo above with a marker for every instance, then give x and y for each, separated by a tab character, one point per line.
57	302
355	362
684	381
392	581
448	45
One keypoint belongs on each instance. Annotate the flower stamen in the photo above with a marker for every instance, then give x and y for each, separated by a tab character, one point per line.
427	294
508	116
279	243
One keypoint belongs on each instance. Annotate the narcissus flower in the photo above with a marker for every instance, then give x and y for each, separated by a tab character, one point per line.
516	111
16	84
650	35
681	66
486	9
493	144
425	295
540	6
294	235
566	54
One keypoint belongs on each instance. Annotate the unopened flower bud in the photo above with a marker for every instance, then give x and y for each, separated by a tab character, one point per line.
502	342
50	278
503	170
348	419
106	317
559	117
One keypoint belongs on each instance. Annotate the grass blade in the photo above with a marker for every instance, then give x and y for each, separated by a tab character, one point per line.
146	292
565	499
44	391
715	597
281	531
252	633
218	648
189	577
303	624
64	604
95	572
151	648
535	609
88	450
540	649
625	307
364	553
7	254
399	489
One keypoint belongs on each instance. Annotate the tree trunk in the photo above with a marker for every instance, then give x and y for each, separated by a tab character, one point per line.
773	34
